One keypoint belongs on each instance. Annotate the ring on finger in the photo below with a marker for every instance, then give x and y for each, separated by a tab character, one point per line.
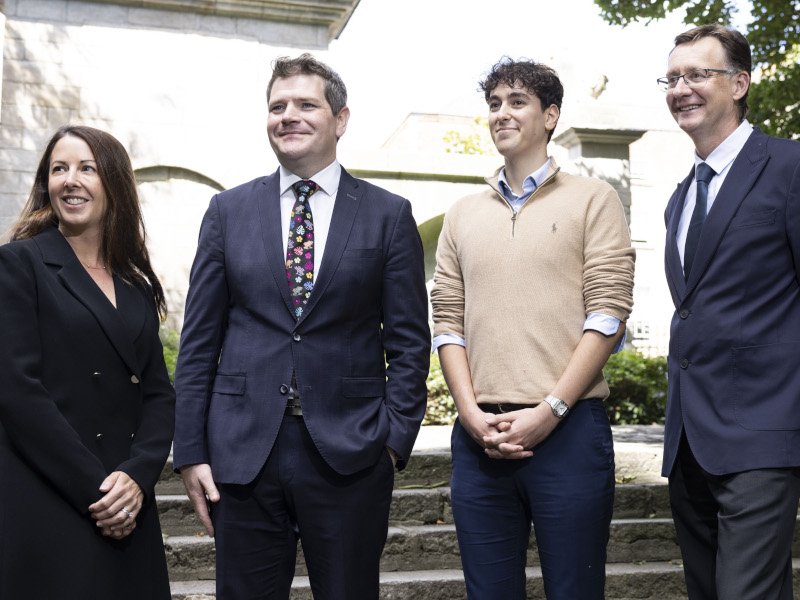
128	514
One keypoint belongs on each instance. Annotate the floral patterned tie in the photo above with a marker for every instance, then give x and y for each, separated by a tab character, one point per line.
300	249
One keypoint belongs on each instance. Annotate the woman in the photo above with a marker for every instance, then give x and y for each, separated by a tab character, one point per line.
86	406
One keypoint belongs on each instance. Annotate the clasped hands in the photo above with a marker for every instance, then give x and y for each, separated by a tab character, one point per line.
511	435
115	513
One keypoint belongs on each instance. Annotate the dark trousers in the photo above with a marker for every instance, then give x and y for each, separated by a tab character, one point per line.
342	523
566	489
735	531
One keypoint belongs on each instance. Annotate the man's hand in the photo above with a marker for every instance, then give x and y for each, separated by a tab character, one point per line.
518	431
475	423
200	487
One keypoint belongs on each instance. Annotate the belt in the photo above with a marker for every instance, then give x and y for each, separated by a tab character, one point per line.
503	408
293	410
293	407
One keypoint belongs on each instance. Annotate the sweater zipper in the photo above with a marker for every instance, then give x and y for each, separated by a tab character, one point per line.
513	221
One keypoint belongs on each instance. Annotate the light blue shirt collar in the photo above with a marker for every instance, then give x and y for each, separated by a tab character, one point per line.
529	185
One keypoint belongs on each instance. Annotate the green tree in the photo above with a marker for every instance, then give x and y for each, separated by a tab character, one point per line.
774	36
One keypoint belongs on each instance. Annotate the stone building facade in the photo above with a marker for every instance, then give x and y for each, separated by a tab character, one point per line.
182	84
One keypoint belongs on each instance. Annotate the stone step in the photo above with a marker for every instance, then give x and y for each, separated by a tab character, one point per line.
425	547
637	452
624	581
430	506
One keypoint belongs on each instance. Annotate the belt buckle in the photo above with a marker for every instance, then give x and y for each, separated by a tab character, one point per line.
502	410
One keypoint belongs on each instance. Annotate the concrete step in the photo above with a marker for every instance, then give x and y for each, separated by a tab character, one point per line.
637	455
425	547
626	581
430	506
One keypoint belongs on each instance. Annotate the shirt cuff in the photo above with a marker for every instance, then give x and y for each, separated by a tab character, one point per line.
607	325
447	338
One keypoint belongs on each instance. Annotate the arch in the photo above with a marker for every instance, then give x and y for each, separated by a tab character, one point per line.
165	173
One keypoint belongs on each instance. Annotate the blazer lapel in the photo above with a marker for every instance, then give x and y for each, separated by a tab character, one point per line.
743	174
269	211
57	251
348	198
672	257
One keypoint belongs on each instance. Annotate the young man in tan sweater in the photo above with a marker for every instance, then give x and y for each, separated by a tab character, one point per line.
533	286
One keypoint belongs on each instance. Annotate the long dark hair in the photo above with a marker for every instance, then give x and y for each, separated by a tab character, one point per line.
122	233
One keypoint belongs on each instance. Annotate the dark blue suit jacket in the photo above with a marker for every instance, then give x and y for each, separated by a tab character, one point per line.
360	351
734	358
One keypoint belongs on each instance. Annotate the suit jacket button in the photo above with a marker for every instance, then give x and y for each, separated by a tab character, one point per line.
296	337
98	437
96	375
684	363
684	313
134	379
284	389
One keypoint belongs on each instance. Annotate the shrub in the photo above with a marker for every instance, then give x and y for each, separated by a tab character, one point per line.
441	409
638	388
638	391
170	340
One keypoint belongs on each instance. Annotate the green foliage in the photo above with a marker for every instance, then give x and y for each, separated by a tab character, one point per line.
441	408
170	340
638	391
638	388
774	36
476	141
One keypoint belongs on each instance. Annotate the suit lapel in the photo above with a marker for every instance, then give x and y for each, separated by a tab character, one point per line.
345	208
672	256
57	252
269	211
743	174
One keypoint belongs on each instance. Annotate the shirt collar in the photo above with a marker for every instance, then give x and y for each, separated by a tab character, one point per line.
529	185
327	179
724	154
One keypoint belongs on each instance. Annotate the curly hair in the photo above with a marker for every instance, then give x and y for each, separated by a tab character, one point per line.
536	78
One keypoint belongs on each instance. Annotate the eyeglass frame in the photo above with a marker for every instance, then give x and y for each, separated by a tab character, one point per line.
664	82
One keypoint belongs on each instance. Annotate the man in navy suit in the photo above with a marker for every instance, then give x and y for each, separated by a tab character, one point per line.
304	354
732	436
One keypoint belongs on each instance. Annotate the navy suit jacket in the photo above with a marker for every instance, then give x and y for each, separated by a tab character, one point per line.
734	358
360	351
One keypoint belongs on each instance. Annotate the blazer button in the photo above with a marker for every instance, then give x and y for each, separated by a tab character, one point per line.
98	437
134	379
684	313
296	337
284	389
133	434
684	363
96	375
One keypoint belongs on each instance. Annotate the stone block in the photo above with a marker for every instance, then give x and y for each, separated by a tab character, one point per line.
169	19
45	10
82	13
17	159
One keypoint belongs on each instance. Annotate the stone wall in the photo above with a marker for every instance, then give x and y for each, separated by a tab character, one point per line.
183	92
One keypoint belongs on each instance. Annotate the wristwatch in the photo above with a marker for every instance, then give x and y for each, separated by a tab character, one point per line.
559	407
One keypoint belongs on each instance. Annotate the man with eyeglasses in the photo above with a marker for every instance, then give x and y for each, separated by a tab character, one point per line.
732	435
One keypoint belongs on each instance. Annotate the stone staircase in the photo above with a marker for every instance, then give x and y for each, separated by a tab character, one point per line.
421	560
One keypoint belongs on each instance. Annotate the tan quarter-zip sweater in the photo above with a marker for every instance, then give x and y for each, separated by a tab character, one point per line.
518	287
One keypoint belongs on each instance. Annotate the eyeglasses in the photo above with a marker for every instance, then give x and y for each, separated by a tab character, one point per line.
696	78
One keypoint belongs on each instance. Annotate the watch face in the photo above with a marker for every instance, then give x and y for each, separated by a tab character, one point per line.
561	409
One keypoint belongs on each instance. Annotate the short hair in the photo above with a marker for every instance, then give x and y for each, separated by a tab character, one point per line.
122	233
536	78
735	45
306	64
